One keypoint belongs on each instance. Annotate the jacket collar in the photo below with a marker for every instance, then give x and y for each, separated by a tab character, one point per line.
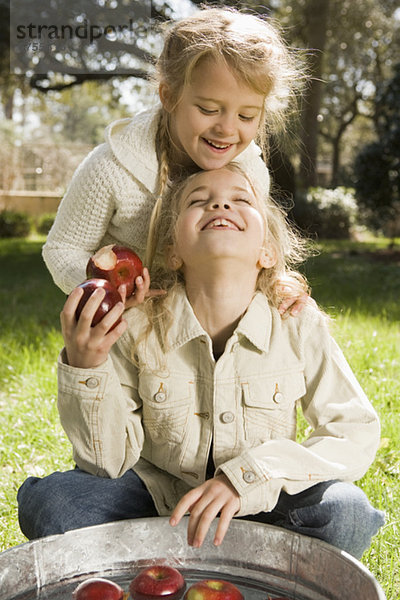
132	141
255	325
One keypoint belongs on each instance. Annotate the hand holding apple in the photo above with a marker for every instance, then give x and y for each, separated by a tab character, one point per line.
117	264
121	266
158	581
110	299
88	346
213	589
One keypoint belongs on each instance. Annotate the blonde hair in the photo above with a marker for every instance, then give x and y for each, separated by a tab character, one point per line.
250	46
277	283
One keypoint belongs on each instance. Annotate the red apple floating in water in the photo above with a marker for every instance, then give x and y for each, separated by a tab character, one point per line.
157	581
111	298
118	264
98	588
213	589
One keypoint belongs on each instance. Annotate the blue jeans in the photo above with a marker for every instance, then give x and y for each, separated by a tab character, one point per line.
338	513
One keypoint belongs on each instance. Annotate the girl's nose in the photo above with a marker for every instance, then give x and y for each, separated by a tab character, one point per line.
219	204
225	125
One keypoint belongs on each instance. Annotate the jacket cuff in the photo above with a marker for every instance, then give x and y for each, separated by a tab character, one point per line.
86	382
258	493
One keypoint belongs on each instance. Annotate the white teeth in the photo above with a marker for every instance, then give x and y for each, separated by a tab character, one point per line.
219	146
221	223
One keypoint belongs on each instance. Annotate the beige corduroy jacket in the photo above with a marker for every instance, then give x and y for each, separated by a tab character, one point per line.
160	421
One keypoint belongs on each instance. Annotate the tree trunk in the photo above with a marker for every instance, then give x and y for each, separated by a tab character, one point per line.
337	139
316	19
9	106
335	161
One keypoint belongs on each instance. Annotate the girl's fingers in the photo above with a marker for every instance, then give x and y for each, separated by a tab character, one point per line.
103	327
296	304
216	496
285	304
142	290
122	292
90	308
183	506
200	520
71	303
223	523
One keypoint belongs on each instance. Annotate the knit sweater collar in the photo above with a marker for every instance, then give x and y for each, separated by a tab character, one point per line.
132	142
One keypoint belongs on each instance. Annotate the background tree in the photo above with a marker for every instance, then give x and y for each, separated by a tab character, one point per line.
361	40
358	39
350	44
377	166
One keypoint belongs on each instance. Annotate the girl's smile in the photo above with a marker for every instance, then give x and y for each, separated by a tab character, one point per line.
221	224
216	118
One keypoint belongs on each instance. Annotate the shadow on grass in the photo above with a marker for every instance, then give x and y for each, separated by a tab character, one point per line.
30	301
359	281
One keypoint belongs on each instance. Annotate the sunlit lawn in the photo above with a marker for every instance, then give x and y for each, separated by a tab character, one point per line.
361	294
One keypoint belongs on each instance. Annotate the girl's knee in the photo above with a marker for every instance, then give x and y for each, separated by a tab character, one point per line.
346	501
341	516
43	505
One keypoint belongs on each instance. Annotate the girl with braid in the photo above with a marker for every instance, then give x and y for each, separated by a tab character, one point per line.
226	82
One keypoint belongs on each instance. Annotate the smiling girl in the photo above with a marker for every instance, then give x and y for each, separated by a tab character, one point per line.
189	404
226	79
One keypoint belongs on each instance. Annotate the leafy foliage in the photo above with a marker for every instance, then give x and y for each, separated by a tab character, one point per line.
44	223
329	214
377	166
14	224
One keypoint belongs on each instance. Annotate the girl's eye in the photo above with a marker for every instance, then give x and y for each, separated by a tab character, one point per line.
196	201
245	118
245	200
207	111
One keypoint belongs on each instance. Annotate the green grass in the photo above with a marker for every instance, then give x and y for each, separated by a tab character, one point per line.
360	294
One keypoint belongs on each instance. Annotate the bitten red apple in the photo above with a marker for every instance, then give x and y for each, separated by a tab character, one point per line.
118	264
157	581
213	589
97	588
111	298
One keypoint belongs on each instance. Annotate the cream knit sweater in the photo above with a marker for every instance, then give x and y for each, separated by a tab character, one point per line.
111	197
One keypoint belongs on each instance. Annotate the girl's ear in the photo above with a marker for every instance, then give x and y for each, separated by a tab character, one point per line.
165	96
267	257
173	260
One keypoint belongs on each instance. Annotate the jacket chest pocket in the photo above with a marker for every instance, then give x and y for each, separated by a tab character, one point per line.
269	406
166	408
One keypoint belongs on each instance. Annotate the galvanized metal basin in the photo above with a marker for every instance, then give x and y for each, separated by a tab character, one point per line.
262	560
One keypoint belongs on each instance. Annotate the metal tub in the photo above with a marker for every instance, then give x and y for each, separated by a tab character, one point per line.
262	560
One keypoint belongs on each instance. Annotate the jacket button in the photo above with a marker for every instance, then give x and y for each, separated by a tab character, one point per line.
277	397
92	382
160	397
227	417
249	476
